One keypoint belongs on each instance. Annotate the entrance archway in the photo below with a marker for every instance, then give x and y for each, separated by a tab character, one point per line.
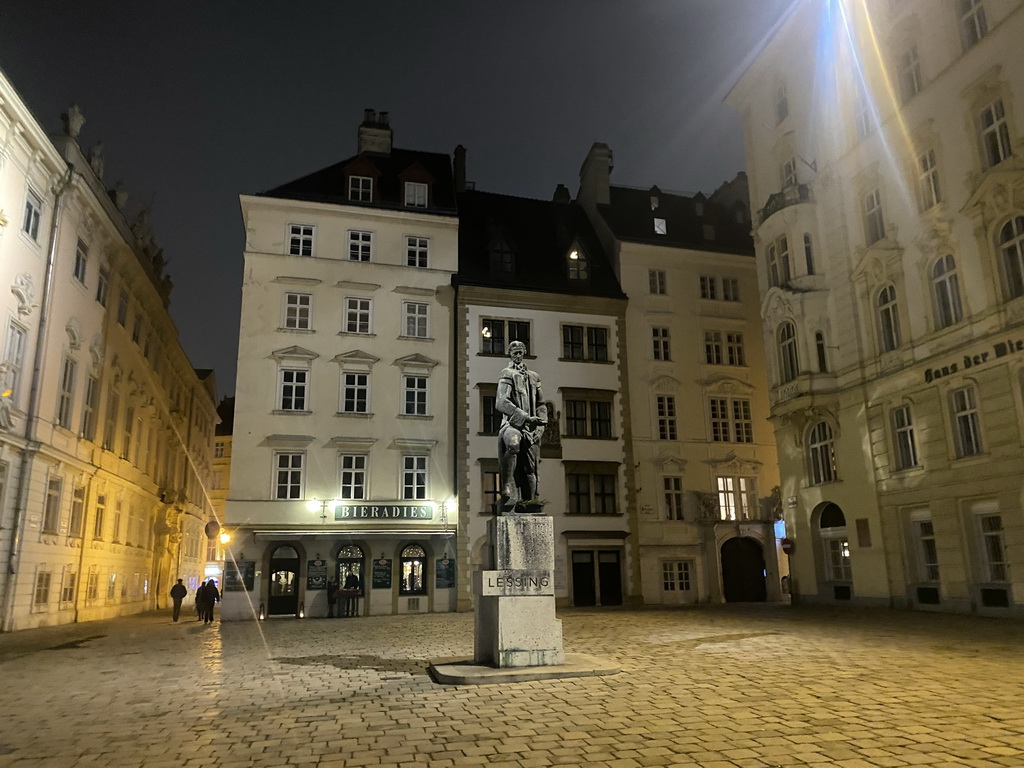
283	597
835	550
743	571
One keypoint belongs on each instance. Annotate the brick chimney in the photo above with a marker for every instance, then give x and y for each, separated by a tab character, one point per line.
595	176
374	133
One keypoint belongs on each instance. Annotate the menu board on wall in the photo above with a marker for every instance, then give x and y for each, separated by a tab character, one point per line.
240	576
445	571
382	574
316	574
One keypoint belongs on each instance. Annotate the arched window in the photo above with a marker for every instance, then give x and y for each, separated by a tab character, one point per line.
1011	244
819	345
413	563
788	362
822	453
888	319
946	292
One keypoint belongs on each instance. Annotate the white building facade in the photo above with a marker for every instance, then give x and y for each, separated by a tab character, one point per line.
342	453
884	145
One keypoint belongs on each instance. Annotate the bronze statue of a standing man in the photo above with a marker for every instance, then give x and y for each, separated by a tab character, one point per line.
524	416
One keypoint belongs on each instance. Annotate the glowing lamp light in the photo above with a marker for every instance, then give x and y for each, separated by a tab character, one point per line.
225	538
486	332
313	505
574	255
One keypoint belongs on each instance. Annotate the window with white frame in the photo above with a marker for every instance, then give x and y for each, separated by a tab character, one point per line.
657	281
780	270
92	584
414	477
874	222
41	593
581	342
789	367
781	104
102	286
300	239
966	424
675	575
909	69
1011	247
81	261
713	347
822	454
730	420
973	24
927	551
288	475
355	392
293	384
218	449
33	214
929	191
708	287
666	406
660	226
118	519
414	389
995	134
360	245
734	350
903	437
415	319
837	558
417	252
660	342
888	319
946	292
360	189
672	488
51	505
353	476
14	357
730	289
993	549
787	173
495	334
415	194
358	315
66	396
737	498
77	519
298	311
89	406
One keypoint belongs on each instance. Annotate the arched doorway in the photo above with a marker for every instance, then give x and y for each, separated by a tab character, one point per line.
283	599
835	546
413	564
350	576
743	571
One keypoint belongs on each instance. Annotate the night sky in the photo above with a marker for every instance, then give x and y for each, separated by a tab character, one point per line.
196	103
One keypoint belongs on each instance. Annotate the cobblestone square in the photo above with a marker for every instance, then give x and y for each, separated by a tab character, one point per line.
711	687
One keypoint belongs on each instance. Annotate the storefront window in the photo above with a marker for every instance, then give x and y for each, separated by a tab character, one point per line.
414	565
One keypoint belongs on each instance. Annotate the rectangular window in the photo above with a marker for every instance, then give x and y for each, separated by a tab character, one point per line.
415	389
973	24
77	520
490	416
41	596
102	286
597	344
788	173
293	390
660	341
588	418
496	334
730	289
874	225
572	342
731	421
357	315
708	287
353	476
903	431
575	418
33	213
928	180
129	432
51	507
995	134
666	417
737	498
14	357
415	194
675	575
218	449
300	239
288	475
993	548
298	311
837	559
734	353
416	252
118	517
591	493
927	552
65	401
414	477
781	104
713	347
657	281
122	308
360	189
910	74
490	481
415	319
584	343
81	261
360	245
111	586
92	584
89	406
355	392
673	490
862	114
966	426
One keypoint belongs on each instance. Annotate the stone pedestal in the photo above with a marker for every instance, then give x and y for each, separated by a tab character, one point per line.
515	614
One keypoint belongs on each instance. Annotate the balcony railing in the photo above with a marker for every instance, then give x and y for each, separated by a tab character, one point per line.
790	195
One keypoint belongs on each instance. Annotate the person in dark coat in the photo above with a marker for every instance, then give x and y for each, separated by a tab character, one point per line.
211	595
332	596
199	601
352	595
178	593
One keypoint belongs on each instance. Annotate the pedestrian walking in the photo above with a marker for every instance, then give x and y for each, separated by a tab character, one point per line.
178	593
211	595
199	601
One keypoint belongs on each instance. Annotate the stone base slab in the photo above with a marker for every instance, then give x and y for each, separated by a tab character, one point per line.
470	673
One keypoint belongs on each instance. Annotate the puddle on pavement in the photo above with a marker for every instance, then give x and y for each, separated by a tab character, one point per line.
74	643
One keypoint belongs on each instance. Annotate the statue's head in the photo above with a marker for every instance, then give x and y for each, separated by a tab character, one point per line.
516	351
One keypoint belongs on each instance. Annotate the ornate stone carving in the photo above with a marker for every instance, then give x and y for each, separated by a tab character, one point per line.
73	121
96	159
24	290
74	332
733	464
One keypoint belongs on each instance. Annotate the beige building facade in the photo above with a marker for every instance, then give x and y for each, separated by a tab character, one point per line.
884	146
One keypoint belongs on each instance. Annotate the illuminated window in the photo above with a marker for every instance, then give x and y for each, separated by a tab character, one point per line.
660	228
495	334
737	498
413	563
577	262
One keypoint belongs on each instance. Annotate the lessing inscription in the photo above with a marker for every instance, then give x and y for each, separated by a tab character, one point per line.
383	512
514	583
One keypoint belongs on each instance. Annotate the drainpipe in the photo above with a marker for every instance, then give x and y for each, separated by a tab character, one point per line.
31	445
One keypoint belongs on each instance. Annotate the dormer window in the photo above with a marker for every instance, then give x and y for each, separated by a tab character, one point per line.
415	194
360	189
578	268
660	227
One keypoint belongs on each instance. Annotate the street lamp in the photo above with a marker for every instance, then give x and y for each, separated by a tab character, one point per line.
322	504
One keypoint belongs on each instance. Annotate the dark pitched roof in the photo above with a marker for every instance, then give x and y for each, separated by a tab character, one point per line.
630	216
330	185
540	234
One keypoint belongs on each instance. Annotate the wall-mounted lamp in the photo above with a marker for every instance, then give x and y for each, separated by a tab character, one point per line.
322	504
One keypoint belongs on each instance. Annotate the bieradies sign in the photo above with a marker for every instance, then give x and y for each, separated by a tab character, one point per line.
347	511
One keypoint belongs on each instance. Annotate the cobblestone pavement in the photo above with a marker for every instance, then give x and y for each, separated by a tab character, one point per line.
713	687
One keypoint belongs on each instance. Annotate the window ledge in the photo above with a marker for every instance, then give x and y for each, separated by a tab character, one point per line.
966	461
917	469
415	417
295	330
354	414
291	413
416	338
352	333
